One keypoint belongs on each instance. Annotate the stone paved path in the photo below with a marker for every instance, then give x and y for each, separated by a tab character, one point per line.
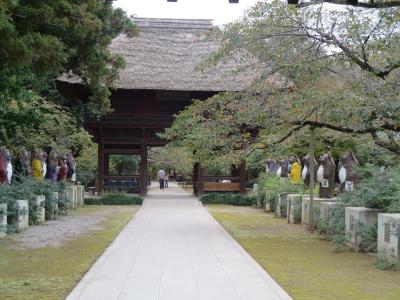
174	250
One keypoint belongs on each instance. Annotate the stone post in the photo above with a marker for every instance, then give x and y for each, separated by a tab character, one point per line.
40	210
22	220
3	220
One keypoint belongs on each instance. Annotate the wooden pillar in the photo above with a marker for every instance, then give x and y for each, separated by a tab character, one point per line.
200	181
106	164
195	178
100	169
242	174
143	169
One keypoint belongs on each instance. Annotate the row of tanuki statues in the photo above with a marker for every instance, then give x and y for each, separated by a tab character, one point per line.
324	172
53	167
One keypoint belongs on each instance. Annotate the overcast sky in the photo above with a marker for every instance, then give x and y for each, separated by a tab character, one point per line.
221	11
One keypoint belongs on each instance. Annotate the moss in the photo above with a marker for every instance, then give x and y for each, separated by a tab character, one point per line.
304	264
51	273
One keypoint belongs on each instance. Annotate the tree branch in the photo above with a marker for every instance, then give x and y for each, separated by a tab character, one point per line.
372	5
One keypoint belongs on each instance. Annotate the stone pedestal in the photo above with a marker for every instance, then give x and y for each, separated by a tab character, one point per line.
270	205
389	236
80	190
3	220
40	210
354	216
281	205
22	219
71	197
294	208
54	205
326	216
305	207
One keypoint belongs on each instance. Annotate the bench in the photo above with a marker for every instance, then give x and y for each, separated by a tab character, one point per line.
221	187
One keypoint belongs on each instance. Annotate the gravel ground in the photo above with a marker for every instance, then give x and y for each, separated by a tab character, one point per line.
56	232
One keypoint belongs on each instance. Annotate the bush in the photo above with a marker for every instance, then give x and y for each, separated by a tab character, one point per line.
229	199
297	209
338	230
115	199
27	189
376	190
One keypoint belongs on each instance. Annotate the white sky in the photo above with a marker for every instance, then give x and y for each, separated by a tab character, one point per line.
221	11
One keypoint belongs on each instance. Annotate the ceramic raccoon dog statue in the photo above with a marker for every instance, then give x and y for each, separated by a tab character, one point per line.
305	173
326	176
283	168
347	175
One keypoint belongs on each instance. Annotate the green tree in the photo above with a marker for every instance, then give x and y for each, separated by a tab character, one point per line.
51	37
330	69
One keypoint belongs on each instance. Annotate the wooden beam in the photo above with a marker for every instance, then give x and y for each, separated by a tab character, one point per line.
242	173
200	182
100	169
195	178
143	169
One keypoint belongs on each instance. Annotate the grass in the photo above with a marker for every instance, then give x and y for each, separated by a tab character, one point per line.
303	264
51	273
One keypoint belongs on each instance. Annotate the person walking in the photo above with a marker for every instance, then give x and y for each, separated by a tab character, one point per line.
166	180
161	178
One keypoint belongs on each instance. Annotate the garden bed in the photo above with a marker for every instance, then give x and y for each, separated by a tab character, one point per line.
303	264
49	263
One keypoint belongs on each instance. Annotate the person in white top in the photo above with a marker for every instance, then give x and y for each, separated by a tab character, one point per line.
161	178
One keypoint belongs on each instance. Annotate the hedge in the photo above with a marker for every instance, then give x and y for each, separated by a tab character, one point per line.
115	199
230	199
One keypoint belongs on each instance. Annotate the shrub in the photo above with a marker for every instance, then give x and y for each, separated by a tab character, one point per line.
229	199
376	190
369	236
297	209
383	263
115	199
338	230
27	189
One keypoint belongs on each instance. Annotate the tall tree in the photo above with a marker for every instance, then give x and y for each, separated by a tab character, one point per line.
321	67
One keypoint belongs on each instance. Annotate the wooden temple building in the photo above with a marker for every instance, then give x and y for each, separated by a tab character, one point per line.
160	79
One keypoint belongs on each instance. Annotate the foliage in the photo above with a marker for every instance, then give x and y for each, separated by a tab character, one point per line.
170	158
383	263
377	189
230	199
368	236
53	37
115	199
296	208
338	229
326	68
121	164
28	189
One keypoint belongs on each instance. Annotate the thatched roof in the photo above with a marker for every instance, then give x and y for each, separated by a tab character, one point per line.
166	54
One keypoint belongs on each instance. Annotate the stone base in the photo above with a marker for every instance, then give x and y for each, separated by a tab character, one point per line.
389	236
294	208
325	223
305	208
40	212
354	216
71	197
80	190
22	220
3	220
281	205
268	206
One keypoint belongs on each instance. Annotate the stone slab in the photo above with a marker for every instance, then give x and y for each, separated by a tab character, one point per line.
326	217
354	216
389	236
71	197
174	249
281	205
305	207
294	208
40	211
80	191
22	220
